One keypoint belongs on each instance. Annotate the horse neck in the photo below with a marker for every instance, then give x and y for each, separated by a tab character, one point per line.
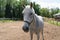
35	16
34	19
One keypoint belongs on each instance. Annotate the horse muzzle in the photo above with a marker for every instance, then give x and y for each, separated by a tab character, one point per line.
25	28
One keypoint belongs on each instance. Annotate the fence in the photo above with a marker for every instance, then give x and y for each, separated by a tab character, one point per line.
9	18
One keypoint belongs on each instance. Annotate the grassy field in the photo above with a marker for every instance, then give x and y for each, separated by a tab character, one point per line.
50	21
54	22
7	20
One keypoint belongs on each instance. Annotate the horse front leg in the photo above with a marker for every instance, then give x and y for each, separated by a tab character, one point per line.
31	36
38	36
42	35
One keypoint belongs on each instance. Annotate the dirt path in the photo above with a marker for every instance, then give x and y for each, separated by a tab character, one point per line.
13	31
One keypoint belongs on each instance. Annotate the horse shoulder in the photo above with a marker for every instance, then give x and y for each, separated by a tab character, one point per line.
41	22
40	18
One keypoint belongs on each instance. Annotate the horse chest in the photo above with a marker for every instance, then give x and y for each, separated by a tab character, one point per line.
34	29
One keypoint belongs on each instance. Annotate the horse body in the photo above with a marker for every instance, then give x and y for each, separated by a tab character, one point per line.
33	22
37	25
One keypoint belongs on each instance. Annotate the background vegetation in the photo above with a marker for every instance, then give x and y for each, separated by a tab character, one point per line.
13	9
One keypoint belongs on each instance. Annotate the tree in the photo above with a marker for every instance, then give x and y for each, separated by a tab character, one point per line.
17	8
2	8
36	8
44	12
57	10
8	13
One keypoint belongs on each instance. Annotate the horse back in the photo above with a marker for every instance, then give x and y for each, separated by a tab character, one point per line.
39	21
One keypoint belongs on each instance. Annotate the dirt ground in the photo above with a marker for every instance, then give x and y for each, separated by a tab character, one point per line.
13	31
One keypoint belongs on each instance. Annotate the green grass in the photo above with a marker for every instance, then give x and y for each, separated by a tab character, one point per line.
7	21
54	22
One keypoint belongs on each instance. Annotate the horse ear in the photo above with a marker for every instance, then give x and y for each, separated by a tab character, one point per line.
31	5
23	6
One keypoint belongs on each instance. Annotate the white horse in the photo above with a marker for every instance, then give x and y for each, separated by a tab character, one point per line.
32	22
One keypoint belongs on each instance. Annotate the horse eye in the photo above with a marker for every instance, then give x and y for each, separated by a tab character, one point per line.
30	13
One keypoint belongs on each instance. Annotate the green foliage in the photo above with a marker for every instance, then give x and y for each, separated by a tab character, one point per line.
8	13
36	8
48	12
3	21
2	5
13	9
44	12
54	22
54	11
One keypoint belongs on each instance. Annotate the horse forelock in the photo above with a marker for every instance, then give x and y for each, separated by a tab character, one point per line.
28	6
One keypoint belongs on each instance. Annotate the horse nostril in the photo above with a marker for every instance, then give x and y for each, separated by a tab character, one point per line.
26	29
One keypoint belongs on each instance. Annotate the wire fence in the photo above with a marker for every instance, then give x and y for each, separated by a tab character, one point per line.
49	20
